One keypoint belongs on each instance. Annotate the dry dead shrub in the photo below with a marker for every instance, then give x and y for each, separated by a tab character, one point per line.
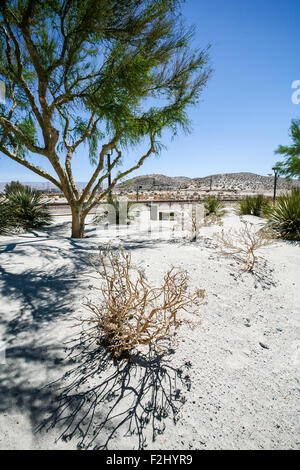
245	241
197	220
190	222
132	312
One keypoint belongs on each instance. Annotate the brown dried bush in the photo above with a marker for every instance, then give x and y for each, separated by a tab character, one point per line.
132	312
197	219
188	223
245	241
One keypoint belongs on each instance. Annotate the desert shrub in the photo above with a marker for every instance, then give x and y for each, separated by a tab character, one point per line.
284	216
245	206
190	222
195	222
12	187
27	209
7	222
132	312
244	242
196	219
254	205
213	206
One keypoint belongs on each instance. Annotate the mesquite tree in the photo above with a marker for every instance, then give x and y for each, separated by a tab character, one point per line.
108	75
290	167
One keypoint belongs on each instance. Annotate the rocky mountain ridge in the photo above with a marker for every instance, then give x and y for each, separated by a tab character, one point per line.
243	181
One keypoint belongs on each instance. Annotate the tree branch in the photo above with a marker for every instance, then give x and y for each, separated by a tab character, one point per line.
119	176
19	76
35	169
88	131
19	134
99	167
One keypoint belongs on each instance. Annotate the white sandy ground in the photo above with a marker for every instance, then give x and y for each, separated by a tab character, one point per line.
221	387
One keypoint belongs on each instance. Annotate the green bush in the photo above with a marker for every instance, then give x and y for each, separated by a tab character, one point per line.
7	222
28	209
12	187
254	205
284	216
22	208
213	206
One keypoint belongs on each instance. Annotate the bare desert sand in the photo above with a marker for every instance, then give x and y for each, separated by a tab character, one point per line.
231	383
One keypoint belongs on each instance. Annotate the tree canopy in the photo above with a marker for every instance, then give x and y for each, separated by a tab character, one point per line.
290	167
107	74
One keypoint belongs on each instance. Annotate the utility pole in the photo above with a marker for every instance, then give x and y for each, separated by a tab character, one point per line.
137	191
275	169
109	173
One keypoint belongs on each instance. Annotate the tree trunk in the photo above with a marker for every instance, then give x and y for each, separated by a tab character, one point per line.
77	222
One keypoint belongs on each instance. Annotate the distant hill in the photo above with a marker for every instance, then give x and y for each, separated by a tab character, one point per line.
43	186
225	181
156	182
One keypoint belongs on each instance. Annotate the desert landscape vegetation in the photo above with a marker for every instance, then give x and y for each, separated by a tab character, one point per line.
137	311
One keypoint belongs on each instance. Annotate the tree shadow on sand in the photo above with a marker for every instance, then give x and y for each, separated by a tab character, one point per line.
45	291
95	400
99	400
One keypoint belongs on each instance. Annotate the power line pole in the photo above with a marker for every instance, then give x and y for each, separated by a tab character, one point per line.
275	169
137	191
109	172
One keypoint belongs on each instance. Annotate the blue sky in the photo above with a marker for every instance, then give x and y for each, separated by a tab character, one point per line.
246	109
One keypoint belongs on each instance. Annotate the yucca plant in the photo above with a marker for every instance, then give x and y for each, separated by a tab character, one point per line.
28	211
284	216
7	222
12	187
213	206
254	205
245	206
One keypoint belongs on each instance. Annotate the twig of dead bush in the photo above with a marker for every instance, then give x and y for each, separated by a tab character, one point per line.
245	241
131	312
193	220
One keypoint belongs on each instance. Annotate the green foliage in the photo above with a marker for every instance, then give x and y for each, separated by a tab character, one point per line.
130	63
12	187
103	75
245	206
7	222
213	206
28	209
22	209
284	216
290	167
254	205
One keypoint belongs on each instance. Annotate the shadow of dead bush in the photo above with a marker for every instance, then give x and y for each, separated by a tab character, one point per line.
100	401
